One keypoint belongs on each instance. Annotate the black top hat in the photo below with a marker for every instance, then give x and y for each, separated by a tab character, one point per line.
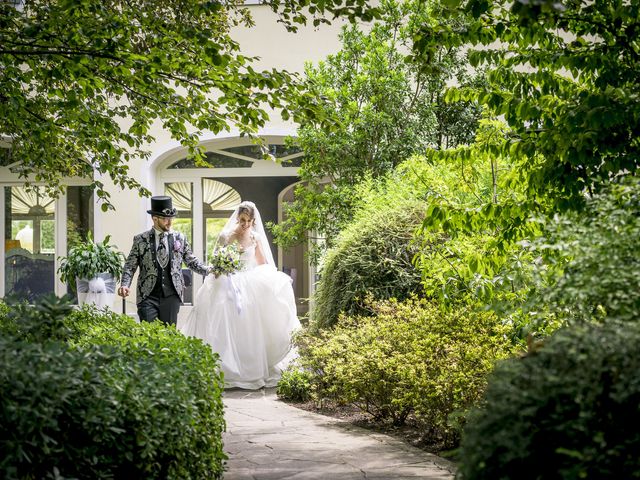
162	207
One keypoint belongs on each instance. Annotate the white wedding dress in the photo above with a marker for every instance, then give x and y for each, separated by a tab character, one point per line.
247	318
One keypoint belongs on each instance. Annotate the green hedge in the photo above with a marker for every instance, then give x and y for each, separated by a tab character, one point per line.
408	357
117	399
373	256
570	410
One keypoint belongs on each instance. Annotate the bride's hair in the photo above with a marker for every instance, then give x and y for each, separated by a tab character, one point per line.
248	208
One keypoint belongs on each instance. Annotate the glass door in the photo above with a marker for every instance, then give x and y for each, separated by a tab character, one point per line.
30	243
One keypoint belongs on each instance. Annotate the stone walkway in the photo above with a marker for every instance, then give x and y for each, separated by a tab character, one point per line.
267	440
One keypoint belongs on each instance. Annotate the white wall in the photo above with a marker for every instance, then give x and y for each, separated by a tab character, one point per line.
278	48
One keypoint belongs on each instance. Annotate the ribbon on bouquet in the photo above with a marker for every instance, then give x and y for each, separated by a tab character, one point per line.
234	293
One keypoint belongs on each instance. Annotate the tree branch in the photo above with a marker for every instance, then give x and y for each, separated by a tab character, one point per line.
68	53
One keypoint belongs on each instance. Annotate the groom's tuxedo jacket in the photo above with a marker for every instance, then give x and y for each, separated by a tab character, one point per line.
143	255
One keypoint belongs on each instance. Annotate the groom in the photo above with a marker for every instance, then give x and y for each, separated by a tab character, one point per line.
159	253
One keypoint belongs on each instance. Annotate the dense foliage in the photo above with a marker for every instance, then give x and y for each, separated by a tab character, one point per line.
468	192
592	261
295	384
372	257
407	358
376	251
564	76
564	411
386	110
83	82
92	394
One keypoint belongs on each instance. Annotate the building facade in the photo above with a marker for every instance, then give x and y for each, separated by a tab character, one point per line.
38	229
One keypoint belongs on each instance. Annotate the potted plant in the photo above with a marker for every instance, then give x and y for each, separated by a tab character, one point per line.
92	270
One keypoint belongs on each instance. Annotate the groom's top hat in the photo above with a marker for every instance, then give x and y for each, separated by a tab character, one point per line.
162	207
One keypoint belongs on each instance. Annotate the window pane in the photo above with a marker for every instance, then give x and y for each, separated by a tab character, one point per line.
79	220
294	162
280	151
216	160
251	151
47	236
224	161
79	214
219	200
29	243
5	157
220	160
22	234
218	196
213	227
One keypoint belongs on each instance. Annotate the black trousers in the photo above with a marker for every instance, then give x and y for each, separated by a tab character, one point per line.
164	308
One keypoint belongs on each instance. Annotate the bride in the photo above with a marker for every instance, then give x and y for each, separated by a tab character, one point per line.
246	317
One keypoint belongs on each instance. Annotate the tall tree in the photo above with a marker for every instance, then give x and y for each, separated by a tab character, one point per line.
386	109
564	75
83	81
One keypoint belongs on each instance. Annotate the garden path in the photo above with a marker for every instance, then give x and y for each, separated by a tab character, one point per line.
267	439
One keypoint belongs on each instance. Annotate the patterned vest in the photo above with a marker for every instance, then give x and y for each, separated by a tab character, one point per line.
164	283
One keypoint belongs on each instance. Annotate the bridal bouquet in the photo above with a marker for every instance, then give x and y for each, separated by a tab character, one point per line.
225	260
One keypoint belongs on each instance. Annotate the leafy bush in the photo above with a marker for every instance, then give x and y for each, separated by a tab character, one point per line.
372	256
385	252
409	357
45	320
593	261
188	358
7	327
566	411
295	384
116	400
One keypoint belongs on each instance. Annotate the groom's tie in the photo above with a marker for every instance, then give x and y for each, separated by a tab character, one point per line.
163	253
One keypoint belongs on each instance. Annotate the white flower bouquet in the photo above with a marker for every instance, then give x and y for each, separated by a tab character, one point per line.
225	260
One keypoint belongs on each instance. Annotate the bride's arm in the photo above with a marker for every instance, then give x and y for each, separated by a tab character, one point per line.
224	239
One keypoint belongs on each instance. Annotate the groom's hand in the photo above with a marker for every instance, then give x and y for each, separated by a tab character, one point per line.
123	291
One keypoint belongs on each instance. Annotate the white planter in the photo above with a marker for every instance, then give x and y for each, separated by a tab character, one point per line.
99	290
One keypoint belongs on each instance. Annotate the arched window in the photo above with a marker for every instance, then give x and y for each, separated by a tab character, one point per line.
244	156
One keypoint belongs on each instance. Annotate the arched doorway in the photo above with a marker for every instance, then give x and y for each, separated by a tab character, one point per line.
205	197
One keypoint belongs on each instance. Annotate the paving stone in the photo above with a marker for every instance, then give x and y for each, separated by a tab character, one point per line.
269	440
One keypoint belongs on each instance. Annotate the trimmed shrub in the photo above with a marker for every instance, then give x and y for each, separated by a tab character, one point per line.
373	256
569	410
408	357
46	320
116	400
